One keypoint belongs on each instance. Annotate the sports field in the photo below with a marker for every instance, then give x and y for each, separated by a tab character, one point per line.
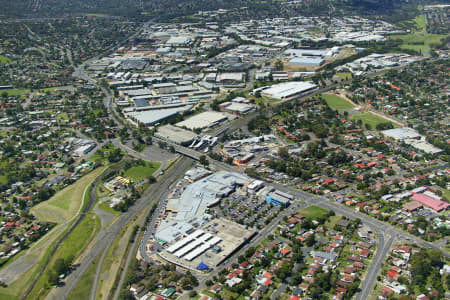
371	119
336	102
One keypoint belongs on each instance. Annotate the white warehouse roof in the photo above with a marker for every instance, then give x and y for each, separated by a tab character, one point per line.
288	89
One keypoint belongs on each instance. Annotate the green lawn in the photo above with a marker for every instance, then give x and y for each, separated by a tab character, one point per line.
421	23
139	173
445	192
336	102
3	179
62	117
344	75
419	40
371	119
15	92
83	288
314	212
96	15
73	246
105	206
66	202
5	60
77	241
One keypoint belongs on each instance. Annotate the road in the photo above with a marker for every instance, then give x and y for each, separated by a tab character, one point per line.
380	228
375	267
106	237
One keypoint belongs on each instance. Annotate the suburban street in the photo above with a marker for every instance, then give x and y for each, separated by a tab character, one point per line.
386	234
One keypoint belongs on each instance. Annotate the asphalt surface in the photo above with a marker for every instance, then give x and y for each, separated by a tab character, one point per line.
105	238
380	228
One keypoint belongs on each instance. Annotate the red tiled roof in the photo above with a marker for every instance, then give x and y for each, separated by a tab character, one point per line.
435	204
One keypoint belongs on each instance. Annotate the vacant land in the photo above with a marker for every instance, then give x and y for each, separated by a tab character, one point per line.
314	212
370	119
336	102
139	173
66	203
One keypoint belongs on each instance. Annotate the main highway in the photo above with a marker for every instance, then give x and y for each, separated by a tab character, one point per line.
386	233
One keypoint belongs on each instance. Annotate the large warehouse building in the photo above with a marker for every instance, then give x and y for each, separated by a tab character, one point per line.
289	90
176	135
413	138
306	61
204	120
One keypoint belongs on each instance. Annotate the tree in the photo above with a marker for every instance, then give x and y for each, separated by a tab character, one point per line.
60	266
204	161
279	66
53	278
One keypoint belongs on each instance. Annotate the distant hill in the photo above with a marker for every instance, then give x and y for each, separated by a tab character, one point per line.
169	9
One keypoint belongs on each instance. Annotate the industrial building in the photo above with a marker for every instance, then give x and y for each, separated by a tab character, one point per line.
153	115
306	61
413	138
175	135
238	108
208	245
200	195
204	120
306	52
255	186
288	90
402	133
279	198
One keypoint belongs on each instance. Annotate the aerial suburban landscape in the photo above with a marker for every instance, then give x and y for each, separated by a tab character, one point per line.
235	150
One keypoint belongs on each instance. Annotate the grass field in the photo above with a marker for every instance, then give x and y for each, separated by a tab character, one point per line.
421	23
96	15
314	212
83	288
336	102
65	203
15	92
5	60
62	117
3	179
419	40
41	250
371	119
72	247
139	173
345	75
105	206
